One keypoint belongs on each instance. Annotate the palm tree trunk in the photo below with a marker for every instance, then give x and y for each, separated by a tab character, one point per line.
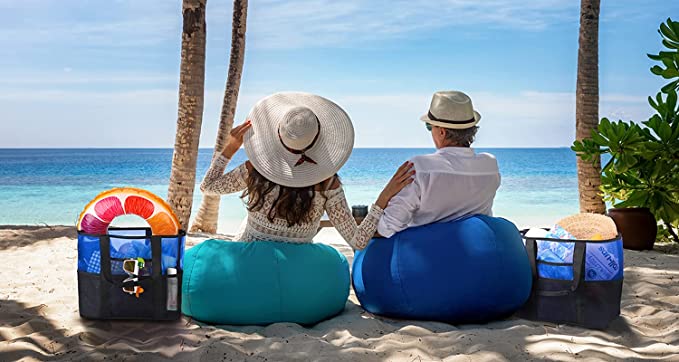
208	214
190	114
587	105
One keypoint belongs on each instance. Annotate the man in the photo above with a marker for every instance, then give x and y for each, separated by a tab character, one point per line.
454	181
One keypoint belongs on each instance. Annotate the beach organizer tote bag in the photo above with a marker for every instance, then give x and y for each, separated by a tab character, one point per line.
129	273
584	290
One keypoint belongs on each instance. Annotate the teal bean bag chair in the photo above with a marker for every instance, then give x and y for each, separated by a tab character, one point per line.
263	282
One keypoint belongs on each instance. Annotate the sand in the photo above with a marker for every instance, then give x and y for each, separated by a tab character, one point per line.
39	321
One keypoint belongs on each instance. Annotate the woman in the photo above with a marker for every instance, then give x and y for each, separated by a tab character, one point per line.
296	143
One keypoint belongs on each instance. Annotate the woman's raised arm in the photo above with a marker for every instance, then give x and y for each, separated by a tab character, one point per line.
215	181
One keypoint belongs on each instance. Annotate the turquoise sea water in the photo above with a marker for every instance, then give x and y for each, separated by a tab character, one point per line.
53	185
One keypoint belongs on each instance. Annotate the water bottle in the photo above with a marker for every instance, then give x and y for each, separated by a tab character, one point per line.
172	289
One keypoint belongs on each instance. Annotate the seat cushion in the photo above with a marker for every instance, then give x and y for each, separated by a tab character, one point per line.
470	270
263	282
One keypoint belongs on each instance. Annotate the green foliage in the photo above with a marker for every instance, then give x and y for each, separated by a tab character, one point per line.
643	159
670	59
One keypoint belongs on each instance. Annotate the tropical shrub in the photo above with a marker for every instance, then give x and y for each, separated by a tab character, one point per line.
643	159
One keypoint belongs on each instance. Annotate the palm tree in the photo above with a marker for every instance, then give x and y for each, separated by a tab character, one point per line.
206	220
190	114
587	104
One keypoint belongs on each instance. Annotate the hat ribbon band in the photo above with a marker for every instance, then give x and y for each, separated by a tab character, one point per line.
304	157
433	118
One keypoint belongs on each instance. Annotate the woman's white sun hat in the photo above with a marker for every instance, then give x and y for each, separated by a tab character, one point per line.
298	139
451	109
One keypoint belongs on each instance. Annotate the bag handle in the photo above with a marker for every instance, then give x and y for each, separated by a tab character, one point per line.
532	250
156	272
105	260
578	265
105	272
105	257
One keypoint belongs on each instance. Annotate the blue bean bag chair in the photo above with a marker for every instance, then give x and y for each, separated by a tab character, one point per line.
467	271
263	282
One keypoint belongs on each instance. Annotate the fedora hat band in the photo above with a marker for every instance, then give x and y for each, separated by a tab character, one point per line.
303	158
434	118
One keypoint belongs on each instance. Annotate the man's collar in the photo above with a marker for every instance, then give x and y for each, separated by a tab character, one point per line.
459	151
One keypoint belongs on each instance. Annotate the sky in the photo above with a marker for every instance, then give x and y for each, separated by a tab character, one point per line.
84	73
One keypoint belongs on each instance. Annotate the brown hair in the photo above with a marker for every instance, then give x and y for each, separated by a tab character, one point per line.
292	203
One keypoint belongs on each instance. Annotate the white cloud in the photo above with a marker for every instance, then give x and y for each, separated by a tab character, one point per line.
283	23
303	23
146	118
271	23
73	77
524	119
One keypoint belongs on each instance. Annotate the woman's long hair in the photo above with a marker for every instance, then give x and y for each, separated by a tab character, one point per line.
294	204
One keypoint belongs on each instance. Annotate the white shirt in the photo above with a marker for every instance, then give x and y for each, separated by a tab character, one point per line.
451	183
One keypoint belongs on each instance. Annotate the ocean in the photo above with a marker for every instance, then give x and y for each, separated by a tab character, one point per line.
51	186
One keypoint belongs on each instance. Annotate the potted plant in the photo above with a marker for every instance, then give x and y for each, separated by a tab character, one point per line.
641	173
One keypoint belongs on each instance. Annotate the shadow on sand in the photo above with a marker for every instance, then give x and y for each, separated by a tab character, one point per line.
25	333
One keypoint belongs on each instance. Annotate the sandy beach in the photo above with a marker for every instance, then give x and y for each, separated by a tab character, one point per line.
39	321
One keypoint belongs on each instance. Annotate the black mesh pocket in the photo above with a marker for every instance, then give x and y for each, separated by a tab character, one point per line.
599	302
166	313
554	301
89	294
127	306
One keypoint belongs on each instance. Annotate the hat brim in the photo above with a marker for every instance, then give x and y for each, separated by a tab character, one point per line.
585	225
477	118
270	158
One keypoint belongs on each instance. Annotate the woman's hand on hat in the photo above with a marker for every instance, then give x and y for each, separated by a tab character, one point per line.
402	178
235	139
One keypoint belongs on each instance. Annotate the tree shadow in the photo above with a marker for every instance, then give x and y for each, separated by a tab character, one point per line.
618	342
358	335
352	335
18	236
25	333
136	340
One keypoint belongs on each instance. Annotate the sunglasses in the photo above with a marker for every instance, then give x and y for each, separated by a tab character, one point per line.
428	126
134	290
132	268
